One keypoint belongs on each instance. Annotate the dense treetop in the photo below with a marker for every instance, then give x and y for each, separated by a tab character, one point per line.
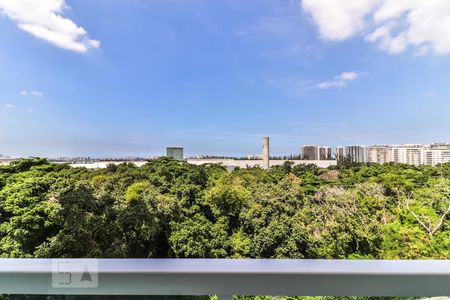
172	209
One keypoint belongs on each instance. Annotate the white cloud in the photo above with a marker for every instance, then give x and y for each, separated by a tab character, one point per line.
44	20
339	19
394	25
32	93
9	106
37	93
340	80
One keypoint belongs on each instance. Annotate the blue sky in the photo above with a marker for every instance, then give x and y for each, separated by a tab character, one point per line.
216	76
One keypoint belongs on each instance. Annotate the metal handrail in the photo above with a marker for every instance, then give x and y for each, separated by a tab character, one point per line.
292	277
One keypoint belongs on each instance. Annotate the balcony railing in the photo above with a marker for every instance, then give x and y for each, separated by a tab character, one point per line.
225	277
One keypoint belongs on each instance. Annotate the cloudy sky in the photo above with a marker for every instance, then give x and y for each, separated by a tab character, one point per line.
128	77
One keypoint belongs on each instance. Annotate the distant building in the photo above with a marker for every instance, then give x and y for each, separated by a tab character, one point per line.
340	153
254	156
380	154
175	152
324	152
412	154
444	146
6	160
408	154
356	153
243	163
310	152
437	154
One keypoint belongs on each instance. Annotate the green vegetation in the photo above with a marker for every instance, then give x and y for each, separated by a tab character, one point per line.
172	209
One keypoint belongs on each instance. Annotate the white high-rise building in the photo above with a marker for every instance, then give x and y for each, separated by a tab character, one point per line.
340	153
175	152
437	154
408	154
314	152
356	153
310	152
413	154
324	152
380	154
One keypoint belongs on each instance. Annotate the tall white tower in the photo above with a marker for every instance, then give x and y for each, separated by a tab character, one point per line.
266	153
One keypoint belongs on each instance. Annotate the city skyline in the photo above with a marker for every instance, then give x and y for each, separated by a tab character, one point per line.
312	152
124	78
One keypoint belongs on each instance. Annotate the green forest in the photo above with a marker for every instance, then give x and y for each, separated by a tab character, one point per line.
172	209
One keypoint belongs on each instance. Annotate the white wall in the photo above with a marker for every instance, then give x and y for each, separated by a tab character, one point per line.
224	162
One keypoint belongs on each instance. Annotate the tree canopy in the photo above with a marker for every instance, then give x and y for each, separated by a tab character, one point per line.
170	209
